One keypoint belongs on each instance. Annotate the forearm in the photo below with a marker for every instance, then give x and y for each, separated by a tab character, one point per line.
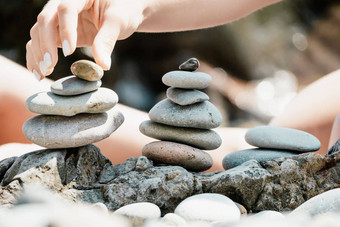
180	15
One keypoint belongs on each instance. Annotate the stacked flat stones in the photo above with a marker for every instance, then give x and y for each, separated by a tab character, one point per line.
272	143
76	112
183	121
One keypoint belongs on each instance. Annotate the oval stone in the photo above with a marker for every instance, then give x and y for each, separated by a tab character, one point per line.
97	101
208	207
72	85
61	132
272	137
191	65
187	80
238	157
185	97
199	115
172	153
205	139
87	70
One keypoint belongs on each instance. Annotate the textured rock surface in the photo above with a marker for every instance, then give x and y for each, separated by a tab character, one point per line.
84	174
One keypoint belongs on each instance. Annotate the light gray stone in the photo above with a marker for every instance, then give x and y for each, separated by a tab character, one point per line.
205	139
272	137
87	70
208	207
59	131
191	65
48	103
202	115
268	214
185	97
72	85
238	157
187	80
172	153
173	219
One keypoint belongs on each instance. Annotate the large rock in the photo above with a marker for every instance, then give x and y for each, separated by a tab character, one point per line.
83	174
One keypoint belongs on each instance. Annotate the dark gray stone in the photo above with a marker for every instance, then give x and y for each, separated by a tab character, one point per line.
272	137
190	65
238	157
202	115
205	139
187	80
335	148
185	97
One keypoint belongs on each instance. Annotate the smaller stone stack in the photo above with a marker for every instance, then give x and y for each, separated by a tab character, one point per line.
76	112
183	121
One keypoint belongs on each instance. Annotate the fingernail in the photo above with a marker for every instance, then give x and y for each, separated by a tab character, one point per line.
43	68
47	60
107	61
36	74
66	48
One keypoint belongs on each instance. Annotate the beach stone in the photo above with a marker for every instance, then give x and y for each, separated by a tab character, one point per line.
208	207
138	213
327	202
72	85
272	137
242	209
48	103
87	70
172	153
187	80
60	132
268	214
238	157
205	139
190	65
202	115
185	97
173	219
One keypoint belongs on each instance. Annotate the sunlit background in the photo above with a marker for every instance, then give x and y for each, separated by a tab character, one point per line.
258	63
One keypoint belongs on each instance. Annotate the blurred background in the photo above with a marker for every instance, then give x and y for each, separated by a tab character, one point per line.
258	63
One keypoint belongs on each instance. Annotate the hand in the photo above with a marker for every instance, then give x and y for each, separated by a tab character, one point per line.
78	23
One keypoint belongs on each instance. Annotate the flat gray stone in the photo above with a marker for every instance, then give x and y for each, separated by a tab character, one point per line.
172	153
272	137
60	132
238	157
187	80
48	103
199	115
72	85
185	97
87	70
205	139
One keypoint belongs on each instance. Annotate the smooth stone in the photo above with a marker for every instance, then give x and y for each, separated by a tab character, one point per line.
327	202
190	65
272	137
72	85
202	115
269	214
62	132
87	70
187	80
208	207
138	213
185	97
173	219
242	209
238	157
172	153
205	139
48	103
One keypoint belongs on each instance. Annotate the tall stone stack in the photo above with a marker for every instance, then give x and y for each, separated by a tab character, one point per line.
76	112
183	121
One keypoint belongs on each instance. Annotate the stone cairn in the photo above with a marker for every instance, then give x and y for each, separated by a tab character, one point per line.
76	112
183	121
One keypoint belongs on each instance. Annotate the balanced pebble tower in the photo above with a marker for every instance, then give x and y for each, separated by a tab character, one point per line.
76	112
183	121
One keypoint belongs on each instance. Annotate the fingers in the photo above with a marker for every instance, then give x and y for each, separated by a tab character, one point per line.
31	63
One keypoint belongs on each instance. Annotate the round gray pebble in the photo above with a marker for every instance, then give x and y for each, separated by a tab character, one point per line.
185	97
48	103
205	139
202	115
238	157
187	80
87	70
272	137
72	85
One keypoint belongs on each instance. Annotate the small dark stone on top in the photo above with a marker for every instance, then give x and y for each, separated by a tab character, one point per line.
335	148
190	65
